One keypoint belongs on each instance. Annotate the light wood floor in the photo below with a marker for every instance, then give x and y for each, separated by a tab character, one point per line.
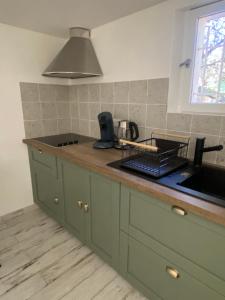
41	261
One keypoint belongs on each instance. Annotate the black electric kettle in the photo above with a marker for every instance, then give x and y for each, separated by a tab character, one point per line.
126	130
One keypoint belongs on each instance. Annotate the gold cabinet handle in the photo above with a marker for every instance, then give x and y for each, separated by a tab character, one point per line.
40	151
172	272
179	211
80	204
86	207
56	200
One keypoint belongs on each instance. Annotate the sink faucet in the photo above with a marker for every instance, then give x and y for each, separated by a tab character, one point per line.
200	149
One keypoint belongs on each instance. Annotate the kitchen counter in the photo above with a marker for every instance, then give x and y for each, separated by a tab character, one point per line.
97	160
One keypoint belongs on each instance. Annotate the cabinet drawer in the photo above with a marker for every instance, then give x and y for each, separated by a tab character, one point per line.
201	242
46	160
155	276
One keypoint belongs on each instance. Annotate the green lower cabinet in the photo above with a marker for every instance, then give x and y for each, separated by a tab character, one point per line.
92	210
103	218
156	276
76	187
47	187
138	235
198	240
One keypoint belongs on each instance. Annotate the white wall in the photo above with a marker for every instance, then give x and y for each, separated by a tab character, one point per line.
138	46
23	57
135	47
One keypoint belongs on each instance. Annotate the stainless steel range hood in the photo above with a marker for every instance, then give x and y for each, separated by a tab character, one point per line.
77	59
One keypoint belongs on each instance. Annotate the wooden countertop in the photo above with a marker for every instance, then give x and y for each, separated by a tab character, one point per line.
97	160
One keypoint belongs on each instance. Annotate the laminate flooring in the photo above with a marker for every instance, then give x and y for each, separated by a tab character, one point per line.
40	260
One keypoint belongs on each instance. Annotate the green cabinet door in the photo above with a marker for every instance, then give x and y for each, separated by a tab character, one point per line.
47	188
76	186
160	278
198	240
102	218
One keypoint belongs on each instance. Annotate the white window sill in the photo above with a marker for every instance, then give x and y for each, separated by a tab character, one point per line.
207	109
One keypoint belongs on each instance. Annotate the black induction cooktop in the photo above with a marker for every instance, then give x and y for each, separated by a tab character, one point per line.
66	139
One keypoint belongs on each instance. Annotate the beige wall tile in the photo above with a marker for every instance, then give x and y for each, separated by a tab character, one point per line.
138	92
73	93
31	111
82	92
142	133
62	93
222	133
121	90
29	91
75	125
50	127
156	116
63	110
94	129
148	132
180	136
74	109
107	107
42	114
47	92
179	122
84	111
138	114
94	109
64	125
158	91
107	92
206	124
94	92
121	111
48	110
84	127
221	154
33	129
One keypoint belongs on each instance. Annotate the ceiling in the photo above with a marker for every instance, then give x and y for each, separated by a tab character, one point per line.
56	16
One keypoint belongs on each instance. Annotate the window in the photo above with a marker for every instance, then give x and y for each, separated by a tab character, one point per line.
208	85
197	78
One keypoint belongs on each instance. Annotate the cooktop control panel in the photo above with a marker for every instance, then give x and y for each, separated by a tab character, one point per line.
66	139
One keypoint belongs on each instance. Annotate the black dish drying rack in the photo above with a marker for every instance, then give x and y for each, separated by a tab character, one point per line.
164	155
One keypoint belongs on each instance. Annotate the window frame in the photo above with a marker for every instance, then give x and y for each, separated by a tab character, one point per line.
182	77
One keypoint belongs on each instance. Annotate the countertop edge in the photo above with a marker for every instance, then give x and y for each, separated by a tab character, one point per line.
192	204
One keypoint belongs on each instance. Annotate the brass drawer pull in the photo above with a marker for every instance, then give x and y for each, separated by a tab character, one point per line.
86	207
179	211
172	272
80	204
40	151
56	200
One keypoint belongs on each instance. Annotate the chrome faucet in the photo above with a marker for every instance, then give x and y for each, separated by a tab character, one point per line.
200	149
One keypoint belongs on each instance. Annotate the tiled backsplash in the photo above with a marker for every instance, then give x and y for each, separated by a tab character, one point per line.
51	109
46	109
143	102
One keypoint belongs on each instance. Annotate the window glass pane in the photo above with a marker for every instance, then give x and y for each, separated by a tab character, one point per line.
209	69
213	55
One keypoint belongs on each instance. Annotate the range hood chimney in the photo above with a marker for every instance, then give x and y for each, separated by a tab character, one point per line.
77	59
